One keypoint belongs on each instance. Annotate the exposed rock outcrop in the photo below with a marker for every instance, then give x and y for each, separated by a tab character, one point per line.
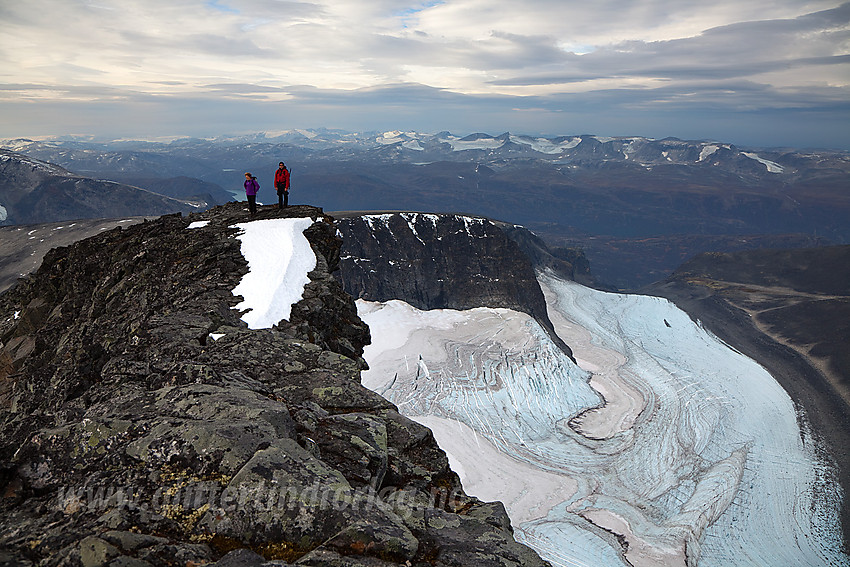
441	261
569	263
144	424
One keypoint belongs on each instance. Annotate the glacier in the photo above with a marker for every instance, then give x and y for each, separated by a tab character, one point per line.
662	446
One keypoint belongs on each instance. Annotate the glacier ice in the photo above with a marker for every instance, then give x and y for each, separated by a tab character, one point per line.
663	437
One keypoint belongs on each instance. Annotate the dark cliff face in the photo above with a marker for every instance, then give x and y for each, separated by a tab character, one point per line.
439	262
568	263
143	423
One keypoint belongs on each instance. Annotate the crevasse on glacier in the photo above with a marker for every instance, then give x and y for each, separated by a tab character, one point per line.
662	437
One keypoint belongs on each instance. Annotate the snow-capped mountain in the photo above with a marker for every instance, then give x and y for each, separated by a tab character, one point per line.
418	147
663	200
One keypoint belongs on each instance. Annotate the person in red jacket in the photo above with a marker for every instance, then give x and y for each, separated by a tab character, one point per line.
281	183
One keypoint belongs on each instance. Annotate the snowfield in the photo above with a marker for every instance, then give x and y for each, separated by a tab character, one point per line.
695	457
486	143
545	146
772	167
279	258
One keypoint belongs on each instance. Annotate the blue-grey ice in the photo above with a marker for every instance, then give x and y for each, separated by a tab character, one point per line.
662	437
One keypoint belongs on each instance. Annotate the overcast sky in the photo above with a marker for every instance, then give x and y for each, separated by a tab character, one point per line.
754	72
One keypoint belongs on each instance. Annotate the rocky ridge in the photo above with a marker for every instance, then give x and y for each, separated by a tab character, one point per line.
143	423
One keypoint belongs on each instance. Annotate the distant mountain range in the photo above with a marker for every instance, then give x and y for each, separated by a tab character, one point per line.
194	156
621	198
34	191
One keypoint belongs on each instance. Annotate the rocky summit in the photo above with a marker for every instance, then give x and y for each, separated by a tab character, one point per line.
144	424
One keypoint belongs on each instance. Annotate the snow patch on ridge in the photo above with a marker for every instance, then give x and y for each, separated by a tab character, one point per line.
279	258
772	166
412	219
459	145
545	146
707	151
389	138
427	216
371	219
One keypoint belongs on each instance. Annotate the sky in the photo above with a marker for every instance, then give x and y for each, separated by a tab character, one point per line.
759	73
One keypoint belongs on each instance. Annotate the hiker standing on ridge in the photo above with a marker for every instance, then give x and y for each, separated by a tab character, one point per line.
251	188
281	183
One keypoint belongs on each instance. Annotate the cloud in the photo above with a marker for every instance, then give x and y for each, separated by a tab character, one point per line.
611	57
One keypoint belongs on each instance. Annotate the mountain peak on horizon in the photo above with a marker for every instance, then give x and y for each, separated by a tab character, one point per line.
324	137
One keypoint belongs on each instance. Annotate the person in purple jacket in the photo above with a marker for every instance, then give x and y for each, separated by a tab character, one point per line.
251	188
